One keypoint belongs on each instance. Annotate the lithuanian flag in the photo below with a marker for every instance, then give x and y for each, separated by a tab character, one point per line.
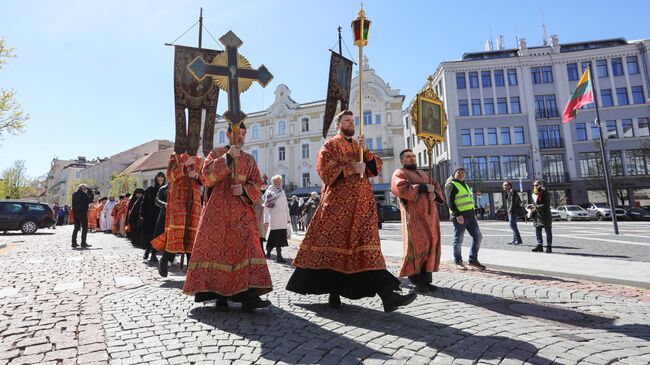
582	95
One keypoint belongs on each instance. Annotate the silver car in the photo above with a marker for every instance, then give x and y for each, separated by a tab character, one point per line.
573	213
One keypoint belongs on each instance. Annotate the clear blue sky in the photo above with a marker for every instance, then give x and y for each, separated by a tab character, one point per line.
97	79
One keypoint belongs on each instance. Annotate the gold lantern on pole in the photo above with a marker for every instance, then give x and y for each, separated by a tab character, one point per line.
360	30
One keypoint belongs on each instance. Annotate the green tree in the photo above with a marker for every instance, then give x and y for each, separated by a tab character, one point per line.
121	184
12	117
74	185
15	182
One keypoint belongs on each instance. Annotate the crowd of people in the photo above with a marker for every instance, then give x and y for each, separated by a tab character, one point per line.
221	215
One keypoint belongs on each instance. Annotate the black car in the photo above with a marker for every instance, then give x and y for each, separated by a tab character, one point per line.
25	216
637	214
390	213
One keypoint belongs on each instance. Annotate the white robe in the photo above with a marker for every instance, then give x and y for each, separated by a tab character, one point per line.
105	217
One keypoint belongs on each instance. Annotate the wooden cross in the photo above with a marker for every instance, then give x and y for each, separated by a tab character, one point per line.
231	72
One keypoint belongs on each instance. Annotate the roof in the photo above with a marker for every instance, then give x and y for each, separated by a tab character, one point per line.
376	188
154	161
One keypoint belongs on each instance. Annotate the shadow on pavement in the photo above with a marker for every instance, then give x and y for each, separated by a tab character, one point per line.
596	255
172	284
522	276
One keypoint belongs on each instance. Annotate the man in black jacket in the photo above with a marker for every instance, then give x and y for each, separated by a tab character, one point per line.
514	210
80	200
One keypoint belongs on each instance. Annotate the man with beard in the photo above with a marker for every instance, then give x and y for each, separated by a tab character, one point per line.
418	195
341	253
227	262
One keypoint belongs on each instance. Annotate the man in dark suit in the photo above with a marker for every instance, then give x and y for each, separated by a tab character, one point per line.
514	210
80	200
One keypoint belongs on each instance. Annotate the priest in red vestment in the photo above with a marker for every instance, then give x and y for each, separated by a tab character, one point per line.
418	195
341	253
227	261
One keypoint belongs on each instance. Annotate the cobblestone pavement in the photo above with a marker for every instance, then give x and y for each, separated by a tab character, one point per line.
105	305
591	239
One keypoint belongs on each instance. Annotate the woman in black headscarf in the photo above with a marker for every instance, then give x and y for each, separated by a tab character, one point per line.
149	212
133	217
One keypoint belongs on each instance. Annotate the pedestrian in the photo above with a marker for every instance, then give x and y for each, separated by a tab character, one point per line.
341	252
107	214
133	217
276	218
514	210
542	218
294	212
418	195
161	202
149	214
310	208
55	209
80	200
227	262
461	208
61	216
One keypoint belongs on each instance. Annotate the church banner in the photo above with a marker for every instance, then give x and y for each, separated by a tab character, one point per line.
338	88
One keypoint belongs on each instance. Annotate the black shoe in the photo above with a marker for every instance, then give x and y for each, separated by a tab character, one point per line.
249	306
335	301
517	243
510	243
163	267
395	301
146	254
477	265
75	245
538	248
280	259
154	258
85	245
268	254
548	249
222	305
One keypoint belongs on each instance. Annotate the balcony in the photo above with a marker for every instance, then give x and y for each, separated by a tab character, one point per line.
545	144
384	152
556	177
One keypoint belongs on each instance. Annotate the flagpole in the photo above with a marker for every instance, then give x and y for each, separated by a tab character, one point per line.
608	184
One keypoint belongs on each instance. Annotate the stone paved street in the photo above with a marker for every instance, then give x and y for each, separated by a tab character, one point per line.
105	305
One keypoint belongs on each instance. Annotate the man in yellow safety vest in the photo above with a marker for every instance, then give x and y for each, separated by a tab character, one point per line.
461	210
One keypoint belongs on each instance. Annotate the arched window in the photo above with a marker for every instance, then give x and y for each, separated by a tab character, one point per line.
222	136
256	132
282	127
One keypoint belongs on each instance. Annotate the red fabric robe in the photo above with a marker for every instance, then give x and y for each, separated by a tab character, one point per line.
118	214
227	258
343	235
176	219
92	216
420	222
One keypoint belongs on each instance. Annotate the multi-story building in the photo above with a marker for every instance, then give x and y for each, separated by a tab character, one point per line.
62	176
504	109
285	138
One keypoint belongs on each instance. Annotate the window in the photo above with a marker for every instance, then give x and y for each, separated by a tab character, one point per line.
616	162
519	135
601	68
584	66
460	80
553	168
255	133
256	155
486	78
306	180
637	95
379	143
304	123
514	167
476	106
606	97
377	118
638	162
505	135
367	117
545	106
549	136
542	75
590	164
514	105
473	80
611	129
77	174
512	76
621	95
572	71
281	153
617	66
644	128
499	80
547	74
11	207
581	132
463	108
595	131
467	164
369	144
481	168
495	168
282	127
502	106
628	130
222	137
305	150
466	138
488	106
632	65
536	74
479	138
35	207
492	136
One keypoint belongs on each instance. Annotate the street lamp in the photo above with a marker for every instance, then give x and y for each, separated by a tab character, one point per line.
361	29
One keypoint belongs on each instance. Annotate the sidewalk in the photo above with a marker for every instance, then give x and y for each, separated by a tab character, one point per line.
598	269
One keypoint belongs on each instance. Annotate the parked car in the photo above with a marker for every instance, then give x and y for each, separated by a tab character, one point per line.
637	214
555	214
573	213
390	213
25	216
602	211
646	208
